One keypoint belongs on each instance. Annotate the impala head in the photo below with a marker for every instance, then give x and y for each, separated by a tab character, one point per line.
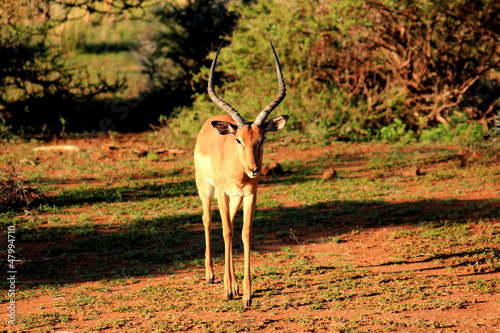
249	136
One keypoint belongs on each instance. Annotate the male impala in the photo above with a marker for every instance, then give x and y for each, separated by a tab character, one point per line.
228	163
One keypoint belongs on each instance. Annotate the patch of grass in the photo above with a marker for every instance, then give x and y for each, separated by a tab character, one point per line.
118	282
485	286
162	293
111	324
451	232
50	319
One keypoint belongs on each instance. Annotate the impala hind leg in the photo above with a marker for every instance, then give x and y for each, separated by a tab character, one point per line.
206	192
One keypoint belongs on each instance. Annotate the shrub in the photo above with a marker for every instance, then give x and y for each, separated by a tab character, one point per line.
354	69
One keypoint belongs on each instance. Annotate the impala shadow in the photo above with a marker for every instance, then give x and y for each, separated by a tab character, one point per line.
321	221
160	245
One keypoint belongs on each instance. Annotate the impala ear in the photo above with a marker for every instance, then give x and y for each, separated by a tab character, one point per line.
275	124
224	128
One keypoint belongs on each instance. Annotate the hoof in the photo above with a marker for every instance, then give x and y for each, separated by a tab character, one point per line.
231	294
247	303
210	280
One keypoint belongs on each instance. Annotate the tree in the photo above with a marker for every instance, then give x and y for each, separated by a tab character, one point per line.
38	91
174	54
421	61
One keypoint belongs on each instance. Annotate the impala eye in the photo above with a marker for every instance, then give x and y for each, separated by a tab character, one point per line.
238	141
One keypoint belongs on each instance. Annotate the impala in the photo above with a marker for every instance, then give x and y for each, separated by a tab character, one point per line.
228	163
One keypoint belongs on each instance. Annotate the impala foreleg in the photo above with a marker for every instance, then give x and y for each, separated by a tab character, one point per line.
230	285
248	209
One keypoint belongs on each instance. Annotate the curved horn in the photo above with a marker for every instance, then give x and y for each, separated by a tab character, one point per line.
281	95
240	122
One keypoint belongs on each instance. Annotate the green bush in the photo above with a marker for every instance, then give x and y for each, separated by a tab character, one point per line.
464	133
396	132
439	133
318	110
359	70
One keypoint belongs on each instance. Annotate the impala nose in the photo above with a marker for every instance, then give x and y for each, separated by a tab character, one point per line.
254	170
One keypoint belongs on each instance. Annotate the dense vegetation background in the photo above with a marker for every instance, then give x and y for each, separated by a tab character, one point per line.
394	70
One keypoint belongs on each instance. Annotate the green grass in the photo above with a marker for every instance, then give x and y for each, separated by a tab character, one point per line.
106	48
43	319
111	66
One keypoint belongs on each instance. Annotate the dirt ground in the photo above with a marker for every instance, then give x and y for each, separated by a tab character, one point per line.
357	275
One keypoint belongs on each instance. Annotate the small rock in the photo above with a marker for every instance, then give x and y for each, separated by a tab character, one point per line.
276	169
142	153
413	171
329	173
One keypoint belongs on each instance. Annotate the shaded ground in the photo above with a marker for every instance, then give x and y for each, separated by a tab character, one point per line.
379	248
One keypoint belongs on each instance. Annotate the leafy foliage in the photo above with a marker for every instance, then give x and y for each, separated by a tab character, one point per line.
355	69
173	54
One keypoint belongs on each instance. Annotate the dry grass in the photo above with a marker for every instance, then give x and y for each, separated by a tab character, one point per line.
16	193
